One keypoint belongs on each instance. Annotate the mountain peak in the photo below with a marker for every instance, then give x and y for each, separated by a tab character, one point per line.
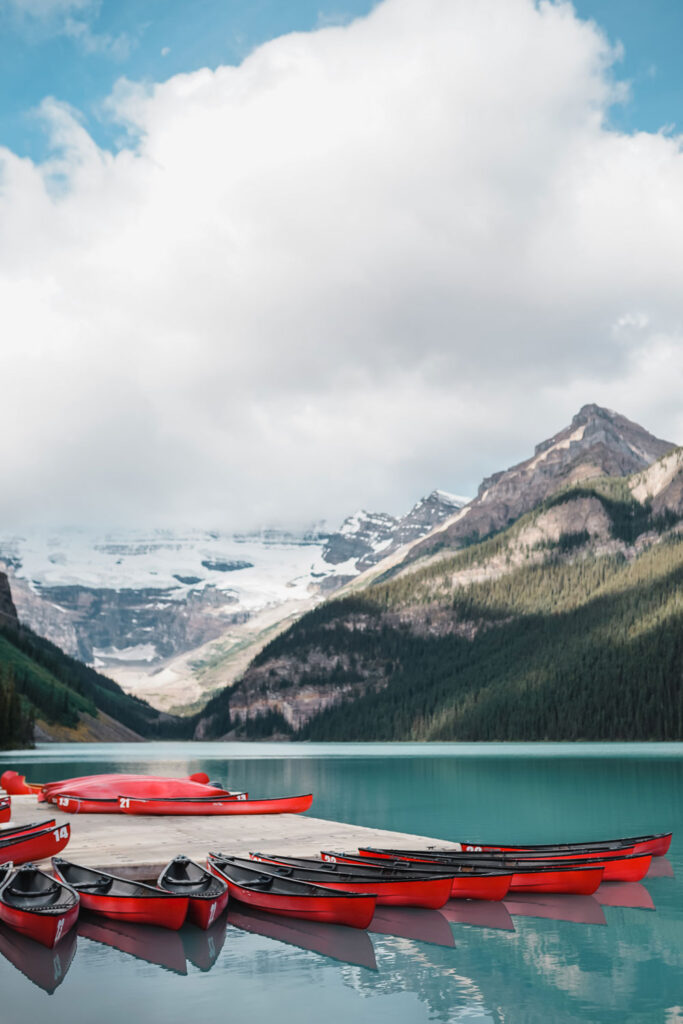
598	442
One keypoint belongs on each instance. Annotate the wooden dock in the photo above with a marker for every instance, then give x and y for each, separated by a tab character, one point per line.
138	847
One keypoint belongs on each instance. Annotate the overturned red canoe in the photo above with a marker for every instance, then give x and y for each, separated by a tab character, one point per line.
16	784
121	899
222	805
35	904
259	888
5	808
393	888
103	791
36	845
208	894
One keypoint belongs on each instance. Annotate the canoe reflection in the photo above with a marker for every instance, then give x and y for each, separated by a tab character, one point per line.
158	946
579	909
661	867
624	894
45	967
203	945
349	945
413	923
481	913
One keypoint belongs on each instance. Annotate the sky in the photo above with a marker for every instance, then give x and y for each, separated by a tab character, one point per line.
270	262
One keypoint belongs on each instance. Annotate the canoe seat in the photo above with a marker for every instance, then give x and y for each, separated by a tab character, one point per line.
36	894
101	886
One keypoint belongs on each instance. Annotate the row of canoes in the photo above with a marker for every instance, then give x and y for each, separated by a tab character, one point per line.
335	888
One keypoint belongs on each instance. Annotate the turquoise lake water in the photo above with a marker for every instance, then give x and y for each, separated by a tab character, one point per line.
615	957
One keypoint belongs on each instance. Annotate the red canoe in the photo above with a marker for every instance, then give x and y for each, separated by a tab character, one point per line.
5	808
656	845
35	904
279	805
36	845
121	899
16	784
467	883
109	785
265	891
392	888
208	894
525	878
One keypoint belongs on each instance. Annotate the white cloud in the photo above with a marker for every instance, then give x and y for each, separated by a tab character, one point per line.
370	260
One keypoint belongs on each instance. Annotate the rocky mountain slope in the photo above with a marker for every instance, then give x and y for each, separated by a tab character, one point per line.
598	442
175	615
46	691
579	596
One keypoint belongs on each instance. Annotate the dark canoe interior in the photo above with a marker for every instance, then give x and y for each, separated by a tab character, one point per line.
186	878
583	847
322	869
89	881
261	879
28	888
428	869
516	861
24	838
9	833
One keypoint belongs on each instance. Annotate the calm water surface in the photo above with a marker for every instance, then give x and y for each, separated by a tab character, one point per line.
617	956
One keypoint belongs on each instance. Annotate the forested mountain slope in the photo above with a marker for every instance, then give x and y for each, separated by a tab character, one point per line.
567	624
39	684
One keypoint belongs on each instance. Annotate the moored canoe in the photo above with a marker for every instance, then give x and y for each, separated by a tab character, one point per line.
120	899
526	877
657	845
264	890
208	894
393	888
37	905
36	845
468	883
219	806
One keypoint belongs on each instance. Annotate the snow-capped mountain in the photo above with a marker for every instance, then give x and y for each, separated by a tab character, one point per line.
172	613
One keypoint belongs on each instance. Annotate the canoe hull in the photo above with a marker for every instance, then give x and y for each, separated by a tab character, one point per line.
47	929
204	912
281	805
5	809
355	912
576	882
164	911
35	846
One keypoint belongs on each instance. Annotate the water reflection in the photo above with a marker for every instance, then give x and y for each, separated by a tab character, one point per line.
480	913
157	946
624	894
45	967
348	945
578	909
203	945
661	867
413	923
